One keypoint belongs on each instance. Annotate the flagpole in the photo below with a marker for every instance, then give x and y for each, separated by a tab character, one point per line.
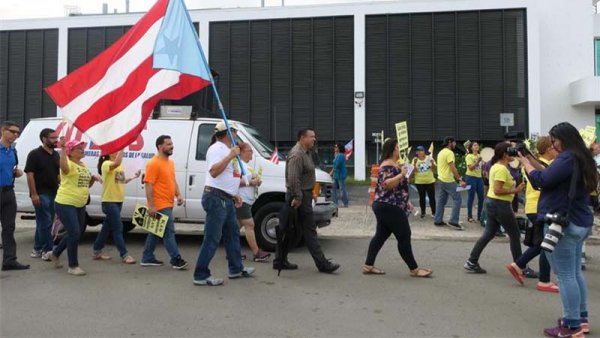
221	109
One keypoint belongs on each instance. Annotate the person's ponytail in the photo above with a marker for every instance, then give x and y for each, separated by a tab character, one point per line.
101	160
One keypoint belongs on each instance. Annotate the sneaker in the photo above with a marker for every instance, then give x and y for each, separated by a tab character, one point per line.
499	233
262	256
101	256
561	331
152	262
329	267
246	272
585	324
473	267
46	256
128	260
439	224
76	271
211	281
455	226
179	264
35	254
529	273
56	261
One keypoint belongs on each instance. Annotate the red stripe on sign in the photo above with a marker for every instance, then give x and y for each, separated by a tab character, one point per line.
116	101
187	84
86	76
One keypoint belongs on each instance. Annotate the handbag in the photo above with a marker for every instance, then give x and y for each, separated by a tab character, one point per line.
534	233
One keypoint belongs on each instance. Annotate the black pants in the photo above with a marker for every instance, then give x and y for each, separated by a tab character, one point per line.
498	213
391	220
428	189
8	213
308	226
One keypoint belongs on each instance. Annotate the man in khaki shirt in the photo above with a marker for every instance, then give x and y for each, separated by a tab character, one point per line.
299	181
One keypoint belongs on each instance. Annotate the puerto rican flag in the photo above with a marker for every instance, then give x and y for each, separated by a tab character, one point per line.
275	156
348	149
111	97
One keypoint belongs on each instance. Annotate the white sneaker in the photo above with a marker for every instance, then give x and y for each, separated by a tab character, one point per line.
246	272
76	271
46	256
35	254
211	281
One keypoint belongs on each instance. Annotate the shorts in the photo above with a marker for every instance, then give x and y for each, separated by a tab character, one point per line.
244	212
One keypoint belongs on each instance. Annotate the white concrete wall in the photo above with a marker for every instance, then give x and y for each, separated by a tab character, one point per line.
566	48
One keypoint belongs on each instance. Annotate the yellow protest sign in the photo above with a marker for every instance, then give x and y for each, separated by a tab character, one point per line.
430	150
588	134
155	225
402	135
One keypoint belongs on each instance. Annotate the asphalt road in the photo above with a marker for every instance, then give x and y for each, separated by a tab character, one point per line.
115	300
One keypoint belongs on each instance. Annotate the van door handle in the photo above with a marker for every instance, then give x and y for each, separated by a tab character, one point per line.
191	180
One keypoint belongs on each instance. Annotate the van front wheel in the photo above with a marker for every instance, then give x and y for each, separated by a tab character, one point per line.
267	220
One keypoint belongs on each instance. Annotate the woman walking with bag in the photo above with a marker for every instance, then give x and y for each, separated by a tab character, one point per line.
113	195
390	205
71	198
498	209
565	190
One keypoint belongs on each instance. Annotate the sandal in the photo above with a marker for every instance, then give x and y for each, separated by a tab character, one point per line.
471	220
372	270
550	287
421	272
101	257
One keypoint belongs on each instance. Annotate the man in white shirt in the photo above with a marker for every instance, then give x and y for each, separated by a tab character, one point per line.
220	198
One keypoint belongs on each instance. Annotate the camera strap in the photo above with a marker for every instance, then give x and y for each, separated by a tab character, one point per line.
573	185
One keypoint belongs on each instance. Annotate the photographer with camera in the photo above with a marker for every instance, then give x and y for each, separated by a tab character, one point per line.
498	208
573	174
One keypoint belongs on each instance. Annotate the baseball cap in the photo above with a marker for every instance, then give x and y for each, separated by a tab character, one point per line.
72	144
420	148
222	127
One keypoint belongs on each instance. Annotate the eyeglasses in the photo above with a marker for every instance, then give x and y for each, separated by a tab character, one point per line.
15	132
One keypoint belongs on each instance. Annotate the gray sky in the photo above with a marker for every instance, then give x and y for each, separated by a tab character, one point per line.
26	9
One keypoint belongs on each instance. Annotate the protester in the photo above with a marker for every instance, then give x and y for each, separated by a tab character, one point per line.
247	192
339	173
161	191
113	195
9	170
424	179
474	179
519	268
574	162
448	176
43	177
71	198
219	200
498	208
389	206
299	181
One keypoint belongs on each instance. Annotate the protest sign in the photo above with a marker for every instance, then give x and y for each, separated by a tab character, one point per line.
402	134
155	225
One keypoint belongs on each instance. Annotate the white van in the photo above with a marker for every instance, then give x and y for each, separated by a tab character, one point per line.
191	140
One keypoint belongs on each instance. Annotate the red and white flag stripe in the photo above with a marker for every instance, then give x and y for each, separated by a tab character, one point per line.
275	156
111	97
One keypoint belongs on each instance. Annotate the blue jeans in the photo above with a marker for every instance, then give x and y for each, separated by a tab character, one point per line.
341	184
112	224
566	263
533	251
44	217
476	184
168	240
220	222
73	219
447	189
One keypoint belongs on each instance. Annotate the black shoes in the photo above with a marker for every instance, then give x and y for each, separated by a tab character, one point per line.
329	267
285	265
473	267
15	266
439	224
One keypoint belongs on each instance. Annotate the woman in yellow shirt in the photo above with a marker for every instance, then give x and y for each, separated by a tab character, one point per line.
71	198
424	180
498	208
113	195
475	180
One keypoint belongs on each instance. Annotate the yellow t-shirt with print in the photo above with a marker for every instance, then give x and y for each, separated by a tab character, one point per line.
470	159
423	171
532	196
445	157
499	172
75	186
114	183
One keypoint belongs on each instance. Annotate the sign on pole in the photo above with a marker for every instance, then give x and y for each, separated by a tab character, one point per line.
507	119
402	134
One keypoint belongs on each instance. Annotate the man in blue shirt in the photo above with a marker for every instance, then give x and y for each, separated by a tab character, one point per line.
9	170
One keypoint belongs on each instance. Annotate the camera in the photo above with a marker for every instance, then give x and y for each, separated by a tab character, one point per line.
518	148
516	137
555	230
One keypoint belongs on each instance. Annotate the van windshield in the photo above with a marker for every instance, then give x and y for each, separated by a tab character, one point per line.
262	145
